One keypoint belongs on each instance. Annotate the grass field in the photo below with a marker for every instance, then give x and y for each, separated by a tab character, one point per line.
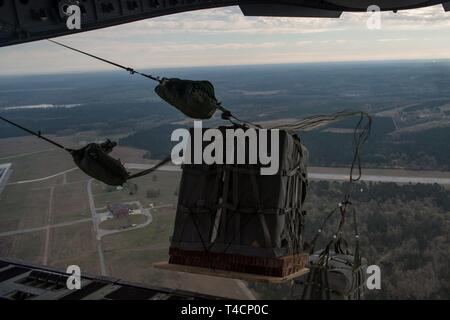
36	211
23	207
165	182
126	154
65	197
76	176
158	232
74	244
129	255
27	205
19	146
26	247
70	202
139	249
40	165
13	208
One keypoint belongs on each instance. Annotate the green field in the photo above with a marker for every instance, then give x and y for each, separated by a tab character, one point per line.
74	244
166	184
139	249
40	165
26	247
23	207
64	199
70	202
129	255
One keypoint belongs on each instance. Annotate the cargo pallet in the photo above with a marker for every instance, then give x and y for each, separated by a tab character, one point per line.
264	269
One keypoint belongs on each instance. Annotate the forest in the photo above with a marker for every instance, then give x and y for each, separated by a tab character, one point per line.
409	102
403	228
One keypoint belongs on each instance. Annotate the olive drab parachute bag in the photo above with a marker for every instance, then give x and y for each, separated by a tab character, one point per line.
337	278
95	161
338	274
230	217
195	99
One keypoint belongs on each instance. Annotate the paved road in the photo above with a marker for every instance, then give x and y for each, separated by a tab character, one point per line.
400	178
56	225
26	154
95	220
47	230
432	178
44	178
379	178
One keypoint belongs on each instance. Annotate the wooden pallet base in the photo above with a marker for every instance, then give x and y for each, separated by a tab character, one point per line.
229	274
265	266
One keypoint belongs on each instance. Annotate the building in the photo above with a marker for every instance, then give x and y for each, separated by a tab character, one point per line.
119	210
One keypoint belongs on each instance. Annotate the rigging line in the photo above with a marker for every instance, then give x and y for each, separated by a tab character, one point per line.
316	121
205	248
320	230
309	124
37	134
227	115
357	258
150	170
130	70
360	136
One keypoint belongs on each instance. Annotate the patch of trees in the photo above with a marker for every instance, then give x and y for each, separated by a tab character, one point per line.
155	140
404	229
427	149
103	117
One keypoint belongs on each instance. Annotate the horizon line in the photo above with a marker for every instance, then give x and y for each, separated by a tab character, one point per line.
228	65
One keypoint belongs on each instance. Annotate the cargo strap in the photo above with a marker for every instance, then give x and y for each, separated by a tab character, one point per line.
236	218
294	235
260	211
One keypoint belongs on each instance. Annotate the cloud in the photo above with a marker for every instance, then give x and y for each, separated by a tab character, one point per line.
392	39
231	21
224	36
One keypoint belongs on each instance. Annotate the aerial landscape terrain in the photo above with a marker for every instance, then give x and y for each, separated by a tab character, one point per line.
51	213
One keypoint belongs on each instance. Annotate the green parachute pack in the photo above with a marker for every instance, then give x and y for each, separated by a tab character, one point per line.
94	160
196	99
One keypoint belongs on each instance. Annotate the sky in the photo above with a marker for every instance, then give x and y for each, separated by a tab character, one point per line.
218	37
